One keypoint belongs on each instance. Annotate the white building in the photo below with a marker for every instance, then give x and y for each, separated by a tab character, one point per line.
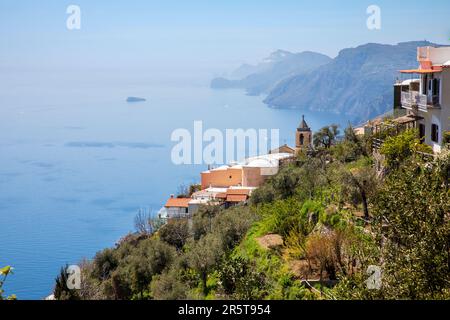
251	172
427	94
204	197
175	208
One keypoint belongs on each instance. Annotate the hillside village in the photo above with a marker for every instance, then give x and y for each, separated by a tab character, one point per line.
308	221
421	102
234	159
233	184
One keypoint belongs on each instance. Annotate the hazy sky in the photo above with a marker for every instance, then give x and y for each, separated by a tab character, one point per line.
209	36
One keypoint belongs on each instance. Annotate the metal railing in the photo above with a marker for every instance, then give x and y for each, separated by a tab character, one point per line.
178	215
376	144
415	99
426	156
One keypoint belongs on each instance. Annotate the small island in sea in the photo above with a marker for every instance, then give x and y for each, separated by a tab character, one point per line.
135	99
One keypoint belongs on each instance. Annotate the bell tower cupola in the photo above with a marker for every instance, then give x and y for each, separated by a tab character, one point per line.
303	137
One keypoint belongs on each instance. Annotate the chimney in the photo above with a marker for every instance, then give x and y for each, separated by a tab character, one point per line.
172	196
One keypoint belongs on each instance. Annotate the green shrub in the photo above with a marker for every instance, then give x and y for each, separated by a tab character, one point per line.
312	212
398	148
446	137
104	263
264	194
61	290
204	256
175	233
168	286
240	280
280	217
297	291
232	225
150	258
202	221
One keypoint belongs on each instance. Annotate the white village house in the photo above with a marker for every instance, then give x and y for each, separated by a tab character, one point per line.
427	95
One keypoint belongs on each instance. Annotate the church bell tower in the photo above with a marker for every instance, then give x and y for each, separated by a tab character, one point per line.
303	139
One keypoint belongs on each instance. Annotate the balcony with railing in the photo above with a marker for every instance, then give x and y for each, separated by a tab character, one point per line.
416	100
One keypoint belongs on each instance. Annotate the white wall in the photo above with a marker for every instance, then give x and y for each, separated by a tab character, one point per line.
176	212
445	99
440	117
439	55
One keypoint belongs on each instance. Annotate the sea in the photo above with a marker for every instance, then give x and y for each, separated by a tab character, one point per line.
77	162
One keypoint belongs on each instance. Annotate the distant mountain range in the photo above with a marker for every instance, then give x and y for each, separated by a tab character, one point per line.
265	76
357	83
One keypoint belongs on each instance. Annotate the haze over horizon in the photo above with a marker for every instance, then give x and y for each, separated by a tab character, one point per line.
79	162
210	39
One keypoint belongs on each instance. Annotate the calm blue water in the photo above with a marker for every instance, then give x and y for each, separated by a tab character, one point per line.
77	161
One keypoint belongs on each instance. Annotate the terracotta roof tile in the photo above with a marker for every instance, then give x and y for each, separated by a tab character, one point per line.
178	203
435	69
237	198
238	192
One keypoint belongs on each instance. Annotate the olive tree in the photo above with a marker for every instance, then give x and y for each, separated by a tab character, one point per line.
412	214
175	233
358	185
205	256
150	258
326	137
